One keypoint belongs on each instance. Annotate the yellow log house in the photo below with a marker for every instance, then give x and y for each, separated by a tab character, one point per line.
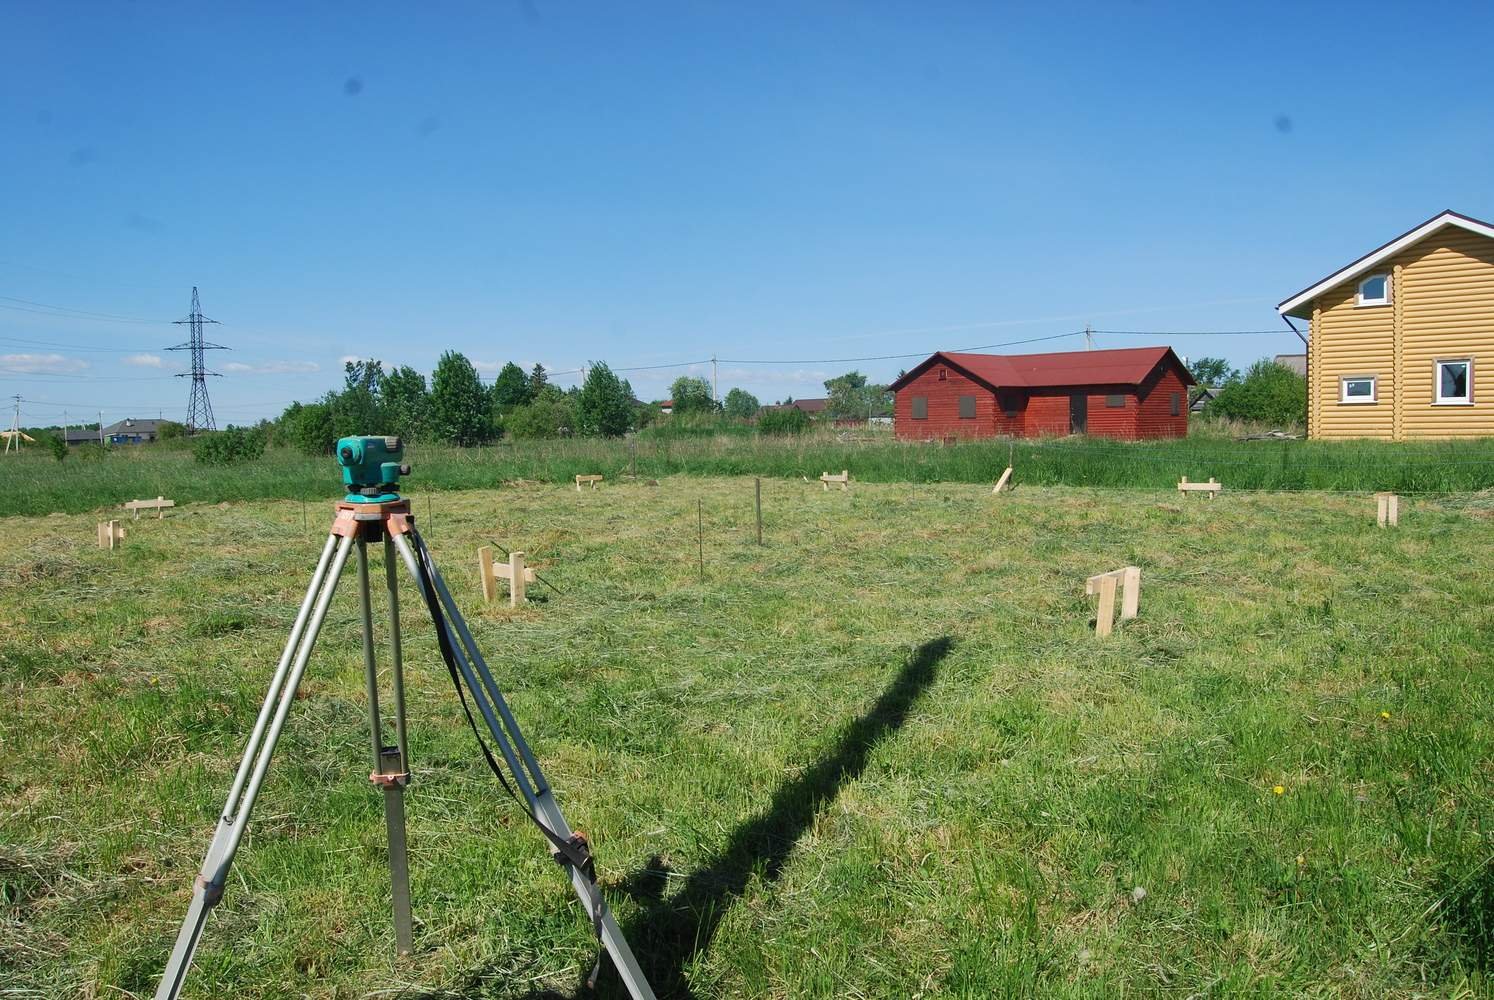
1401	341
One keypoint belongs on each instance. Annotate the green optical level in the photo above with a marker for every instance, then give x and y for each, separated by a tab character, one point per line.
371	468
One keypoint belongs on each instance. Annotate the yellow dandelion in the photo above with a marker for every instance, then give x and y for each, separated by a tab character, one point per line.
1301	860
1384	715
1278	790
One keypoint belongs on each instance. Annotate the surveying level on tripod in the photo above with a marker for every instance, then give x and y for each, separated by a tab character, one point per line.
373	512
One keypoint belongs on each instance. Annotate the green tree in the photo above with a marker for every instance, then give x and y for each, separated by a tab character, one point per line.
1269	393
358	408
741	404
1214	372
170	430
539	381
407	404
853	398
691	395
511	389
604	407
308	427
459	411
552	415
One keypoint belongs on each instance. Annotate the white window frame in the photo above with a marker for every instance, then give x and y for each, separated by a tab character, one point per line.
1343	390
1437	399
1360	300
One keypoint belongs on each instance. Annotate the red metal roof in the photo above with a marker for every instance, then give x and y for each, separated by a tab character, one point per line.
1122	366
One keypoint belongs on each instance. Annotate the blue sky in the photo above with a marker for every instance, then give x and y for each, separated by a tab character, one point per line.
762	182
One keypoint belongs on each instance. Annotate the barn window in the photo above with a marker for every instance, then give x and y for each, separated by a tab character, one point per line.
967	407
1455	382
1175	404
943	374
1356	389
920	407
1374	290
1115	401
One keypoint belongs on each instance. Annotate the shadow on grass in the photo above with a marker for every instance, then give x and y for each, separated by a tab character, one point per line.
669	932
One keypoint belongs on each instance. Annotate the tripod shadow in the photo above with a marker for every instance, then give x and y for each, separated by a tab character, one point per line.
670	932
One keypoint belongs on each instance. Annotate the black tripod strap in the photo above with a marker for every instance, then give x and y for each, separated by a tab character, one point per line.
574	851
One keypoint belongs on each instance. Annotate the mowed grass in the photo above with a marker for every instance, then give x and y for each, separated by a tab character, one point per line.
38	484
880	756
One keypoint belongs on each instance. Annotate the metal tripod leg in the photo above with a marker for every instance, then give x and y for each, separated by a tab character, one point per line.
251	772
389	770
531	780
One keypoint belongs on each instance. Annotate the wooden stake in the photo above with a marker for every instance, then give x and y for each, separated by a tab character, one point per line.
1130	592
1003	482
485	574
1208	489
700	534
1389	509
758	488
593	480
517	578
111	535
1106	612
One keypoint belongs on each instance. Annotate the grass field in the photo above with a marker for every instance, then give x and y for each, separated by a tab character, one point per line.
881	756
40	485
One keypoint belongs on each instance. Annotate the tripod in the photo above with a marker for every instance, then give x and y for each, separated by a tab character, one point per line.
356	526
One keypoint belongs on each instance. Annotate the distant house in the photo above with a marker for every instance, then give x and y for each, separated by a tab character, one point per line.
77	436
812	407
1202	397
667	406
1131	393
1292	362
132	431
1401	341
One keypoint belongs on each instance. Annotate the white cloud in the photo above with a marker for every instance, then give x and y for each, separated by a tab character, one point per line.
488	366
145	361
272	368
51	364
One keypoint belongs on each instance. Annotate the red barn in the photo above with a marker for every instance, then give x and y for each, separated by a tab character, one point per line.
1133	393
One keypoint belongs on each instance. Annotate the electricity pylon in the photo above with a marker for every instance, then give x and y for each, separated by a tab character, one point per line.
199	407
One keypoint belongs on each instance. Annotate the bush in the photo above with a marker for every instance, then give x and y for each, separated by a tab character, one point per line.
56	445
791	420
550	416
308	427
234	446
1268	393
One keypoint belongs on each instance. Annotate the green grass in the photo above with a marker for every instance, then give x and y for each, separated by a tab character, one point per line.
39	484
881	756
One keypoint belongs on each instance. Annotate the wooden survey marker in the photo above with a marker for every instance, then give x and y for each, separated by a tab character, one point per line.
514	571
159	505
111	534
1128	578
1208	489
1389	512
844	479
1005	482
593	480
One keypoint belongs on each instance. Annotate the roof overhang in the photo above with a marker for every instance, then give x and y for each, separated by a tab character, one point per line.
1300	305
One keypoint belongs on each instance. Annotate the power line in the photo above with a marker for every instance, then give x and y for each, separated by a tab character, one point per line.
75	347
1189	333
900	357
47	309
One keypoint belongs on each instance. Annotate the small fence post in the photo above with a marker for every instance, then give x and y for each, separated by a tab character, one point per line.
485	574
515	579
759	499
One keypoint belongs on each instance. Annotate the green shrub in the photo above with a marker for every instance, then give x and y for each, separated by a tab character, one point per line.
234	446
550	416
56	445
787	421
1268	393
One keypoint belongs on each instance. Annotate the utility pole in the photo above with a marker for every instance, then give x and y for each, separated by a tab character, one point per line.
1089	338
715	384
101	428
14	437
199	407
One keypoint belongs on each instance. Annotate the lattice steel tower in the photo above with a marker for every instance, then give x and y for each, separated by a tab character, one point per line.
199	407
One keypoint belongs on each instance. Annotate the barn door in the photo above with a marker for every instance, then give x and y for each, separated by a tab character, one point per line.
1078	413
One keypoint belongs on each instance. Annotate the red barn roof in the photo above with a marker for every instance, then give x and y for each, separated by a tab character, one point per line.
1122	366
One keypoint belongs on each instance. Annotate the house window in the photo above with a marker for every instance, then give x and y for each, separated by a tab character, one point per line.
943	374
920	407
1175	404
1116	401
1455	382
967	407
1357	389
1374	290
